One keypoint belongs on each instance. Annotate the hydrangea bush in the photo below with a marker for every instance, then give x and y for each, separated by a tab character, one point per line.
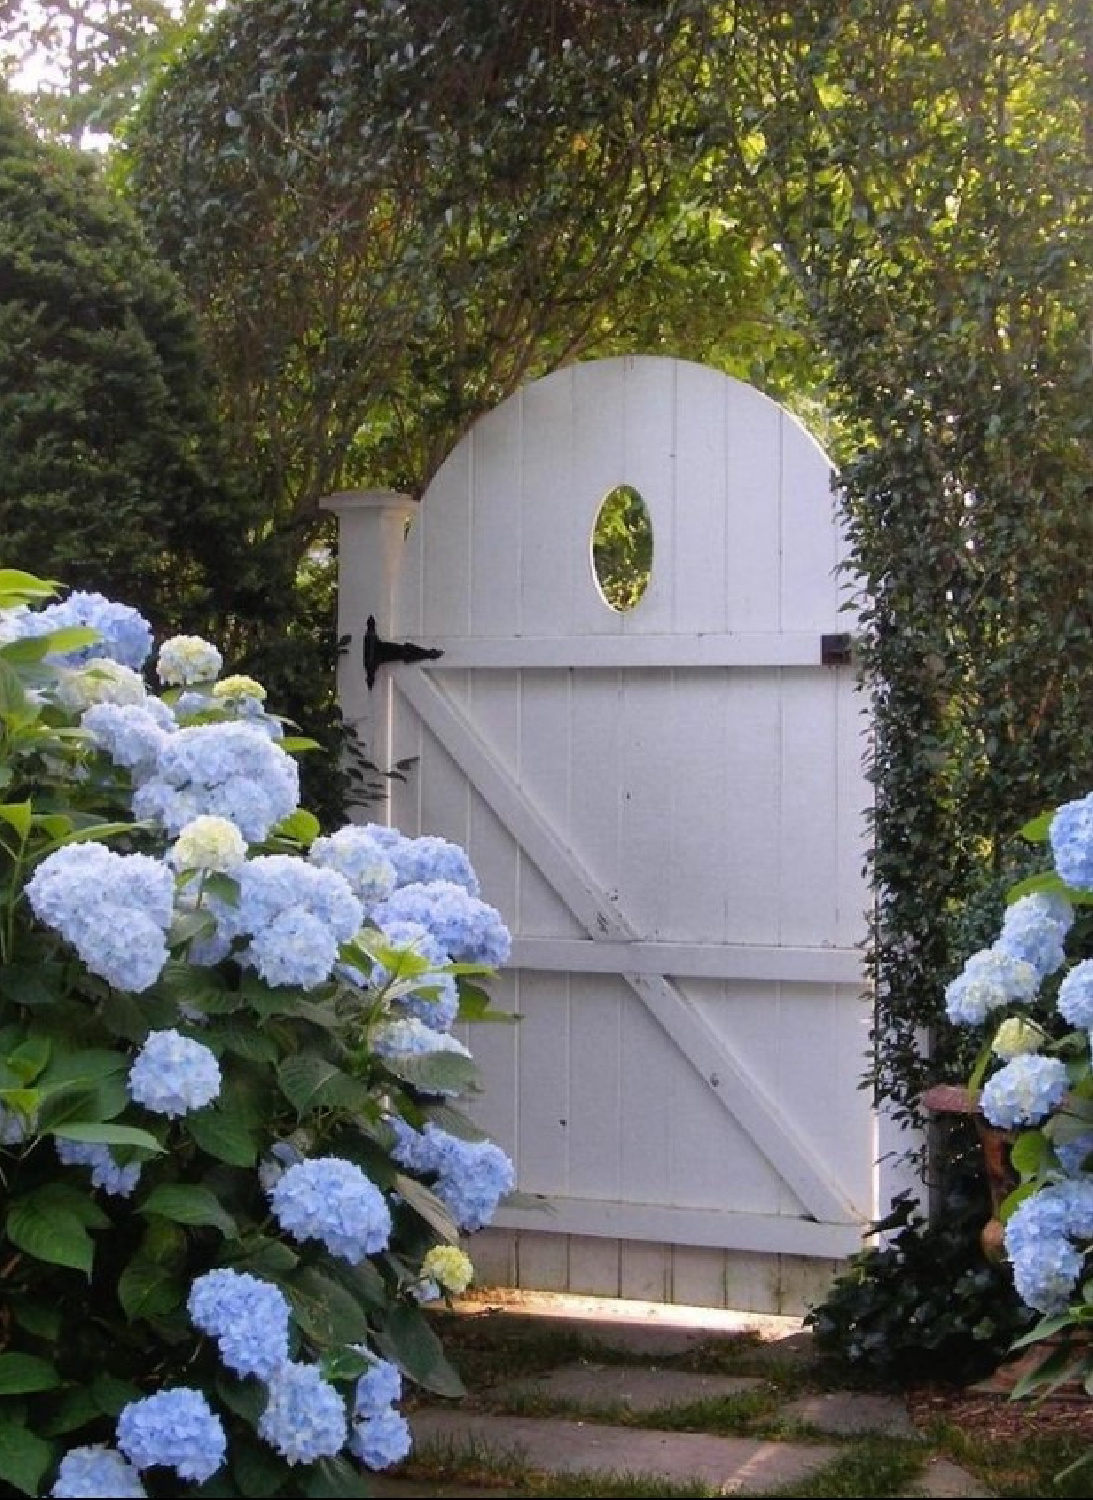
1031	993
233	1168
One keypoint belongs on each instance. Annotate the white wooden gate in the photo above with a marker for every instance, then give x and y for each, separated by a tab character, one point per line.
667	806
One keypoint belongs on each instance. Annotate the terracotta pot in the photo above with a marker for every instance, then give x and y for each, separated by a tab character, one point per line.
955	1099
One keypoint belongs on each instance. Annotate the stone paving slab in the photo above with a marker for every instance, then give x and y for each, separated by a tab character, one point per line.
638	1388
557	1446
851	1413
944	1480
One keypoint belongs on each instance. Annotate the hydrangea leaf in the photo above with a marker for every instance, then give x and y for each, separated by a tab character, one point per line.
145	1290
428	1206
20	1373
408	1341
327	1312
24	1458
188	1203
435	1072
105	1133
334	1479
50	1233
223	1134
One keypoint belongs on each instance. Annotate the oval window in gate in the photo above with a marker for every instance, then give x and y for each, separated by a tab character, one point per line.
622	548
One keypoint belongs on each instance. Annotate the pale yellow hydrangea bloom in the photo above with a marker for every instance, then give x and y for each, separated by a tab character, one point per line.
239	686
99	680
209	843
186	659
1015	1036
449	1267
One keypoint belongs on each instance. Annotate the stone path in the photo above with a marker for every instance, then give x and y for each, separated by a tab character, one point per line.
573	1443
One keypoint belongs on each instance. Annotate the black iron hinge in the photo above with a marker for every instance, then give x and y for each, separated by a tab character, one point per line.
378	652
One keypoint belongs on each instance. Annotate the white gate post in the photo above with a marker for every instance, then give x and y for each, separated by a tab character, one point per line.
371	533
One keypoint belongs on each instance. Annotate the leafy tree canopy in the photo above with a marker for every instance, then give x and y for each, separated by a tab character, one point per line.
112	475
392	215
89	57
927	170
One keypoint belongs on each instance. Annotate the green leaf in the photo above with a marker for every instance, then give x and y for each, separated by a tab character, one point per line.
293	743
1036	830
18	814
428	1207
220	1133
147	1290
32	984
1030	1153
301	825
435	1072
335	1479
186	1203
112	1394
407	1339
21	1373
41	1319
18	587
257	1470
308	1081
50	1234
24	1458
326	1311
107	1134
13	699
73	1409
190	924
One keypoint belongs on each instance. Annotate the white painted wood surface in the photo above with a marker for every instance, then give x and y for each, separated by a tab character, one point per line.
668	808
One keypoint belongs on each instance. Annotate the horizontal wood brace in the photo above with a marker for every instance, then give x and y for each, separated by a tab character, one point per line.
690	960
774	648
725	1229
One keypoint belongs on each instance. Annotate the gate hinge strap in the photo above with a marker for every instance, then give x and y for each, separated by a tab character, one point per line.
377	652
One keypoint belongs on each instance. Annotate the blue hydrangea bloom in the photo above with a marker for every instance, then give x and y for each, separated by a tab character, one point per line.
1075	999
172	1074
408	1034
468	930
1037	1238
131	734
381	1440
1071	838
176	1429
97	1471
295	916
360	859
1034	928
422	860
379	1387
1024	1092
114	909
331	1200
304	1418
990	979
231	770
1072	1154
471	1176
15	1127
115	1179
125	635
247	1316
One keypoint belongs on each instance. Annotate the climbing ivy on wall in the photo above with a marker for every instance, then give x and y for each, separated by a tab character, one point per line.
927	171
